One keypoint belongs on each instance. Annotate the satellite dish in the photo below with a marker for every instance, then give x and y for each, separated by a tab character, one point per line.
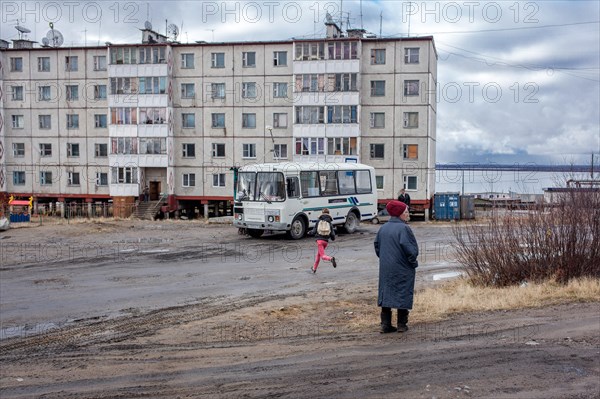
329	18
173	31
148	25
45	42
55	38
22	30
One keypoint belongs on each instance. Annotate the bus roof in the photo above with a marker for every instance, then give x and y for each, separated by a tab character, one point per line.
302	166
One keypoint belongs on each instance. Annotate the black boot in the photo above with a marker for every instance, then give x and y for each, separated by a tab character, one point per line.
402	320
386	321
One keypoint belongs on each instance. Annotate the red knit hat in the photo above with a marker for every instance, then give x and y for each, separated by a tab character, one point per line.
395	208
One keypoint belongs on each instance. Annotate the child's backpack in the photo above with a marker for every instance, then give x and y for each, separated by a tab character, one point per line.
323	228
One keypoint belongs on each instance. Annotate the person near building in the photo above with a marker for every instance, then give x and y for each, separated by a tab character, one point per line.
146	193
397	250
404	197
323	232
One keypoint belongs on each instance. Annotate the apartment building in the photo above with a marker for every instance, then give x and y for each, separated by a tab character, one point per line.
99	124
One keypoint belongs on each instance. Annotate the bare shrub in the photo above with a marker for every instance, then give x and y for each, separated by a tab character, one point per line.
554	242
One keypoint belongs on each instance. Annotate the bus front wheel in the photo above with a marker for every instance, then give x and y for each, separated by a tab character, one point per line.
351	223
297	230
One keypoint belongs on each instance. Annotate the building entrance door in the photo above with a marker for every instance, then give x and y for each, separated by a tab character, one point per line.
154	190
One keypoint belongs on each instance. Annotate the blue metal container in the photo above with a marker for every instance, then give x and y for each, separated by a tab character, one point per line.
446	206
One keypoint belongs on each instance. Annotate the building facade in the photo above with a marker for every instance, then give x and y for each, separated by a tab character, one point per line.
99	124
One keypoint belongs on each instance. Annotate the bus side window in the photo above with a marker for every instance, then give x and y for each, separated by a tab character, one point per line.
293	188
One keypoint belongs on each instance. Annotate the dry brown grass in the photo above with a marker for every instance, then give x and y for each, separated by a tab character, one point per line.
360	312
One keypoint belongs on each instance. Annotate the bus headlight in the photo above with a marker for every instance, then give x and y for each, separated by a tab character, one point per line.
239	216
271	218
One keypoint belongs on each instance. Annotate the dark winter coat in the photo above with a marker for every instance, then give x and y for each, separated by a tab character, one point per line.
320	237
404	198
397	250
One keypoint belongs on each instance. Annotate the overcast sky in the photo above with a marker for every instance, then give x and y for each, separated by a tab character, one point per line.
518	81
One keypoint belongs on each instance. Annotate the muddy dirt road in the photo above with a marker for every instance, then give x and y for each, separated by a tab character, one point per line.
131	309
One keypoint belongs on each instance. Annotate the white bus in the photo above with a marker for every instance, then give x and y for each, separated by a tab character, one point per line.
290	196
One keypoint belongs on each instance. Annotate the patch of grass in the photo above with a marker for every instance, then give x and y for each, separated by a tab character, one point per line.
360	312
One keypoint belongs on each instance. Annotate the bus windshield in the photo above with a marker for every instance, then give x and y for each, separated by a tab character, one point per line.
261	186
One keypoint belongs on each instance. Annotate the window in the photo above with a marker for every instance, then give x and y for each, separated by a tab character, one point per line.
310	51
124	145
217	60
279	58
187	61
71	63
346	181
410	151
126	175
188	90
100	121
100	150
279	89
410	182
45	121
249	90
100	92
151	85
310	184
411	55
73	179
72	92
411	87
342	82
379	182
377	88
129	85
18	150
219	180
153	116
189	179
280	151
378	56
342	114
44	93
280	120
188	120
101	179
377	151
218	150
328	180
45	178
123	55
99	63
17	93
152	55
377	120
218	120
18	178
310	114
217	90
45	149
43	64
342	50
341	146
310	82
249	121
72	149
248	150
189	150
123	116
310	146
16	64
72	121
249	59
153	146
411	120
18	121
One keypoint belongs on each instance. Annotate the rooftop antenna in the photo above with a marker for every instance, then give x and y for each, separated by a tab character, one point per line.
361	15
213	33
84	37
21	30
380	22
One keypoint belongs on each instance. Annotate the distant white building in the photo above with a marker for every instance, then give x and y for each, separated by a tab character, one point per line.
93	124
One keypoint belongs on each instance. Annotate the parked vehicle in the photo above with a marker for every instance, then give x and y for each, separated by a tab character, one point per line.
382	217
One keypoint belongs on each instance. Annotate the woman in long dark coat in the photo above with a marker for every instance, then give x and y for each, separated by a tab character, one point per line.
397	250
